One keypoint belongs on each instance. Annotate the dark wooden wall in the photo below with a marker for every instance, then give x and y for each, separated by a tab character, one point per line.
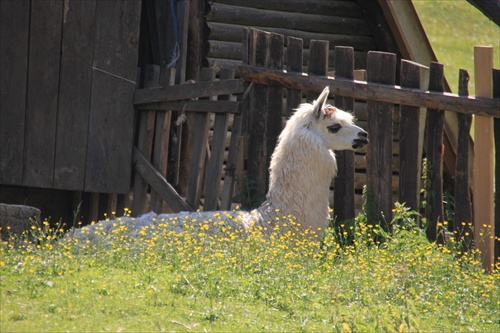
341	23
66	104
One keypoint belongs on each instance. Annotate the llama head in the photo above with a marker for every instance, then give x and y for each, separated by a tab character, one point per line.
336	127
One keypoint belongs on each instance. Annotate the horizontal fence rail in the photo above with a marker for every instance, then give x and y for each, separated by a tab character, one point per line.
373	91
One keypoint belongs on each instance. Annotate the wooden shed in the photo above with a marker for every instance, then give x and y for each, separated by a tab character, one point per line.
69	70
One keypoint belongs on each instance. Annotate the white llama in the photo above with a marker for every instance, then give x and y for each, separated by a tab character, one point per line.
303	164
302	167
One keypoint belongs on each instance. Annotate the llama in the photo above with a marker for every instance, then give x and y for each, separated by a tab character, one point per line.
303	164
302	167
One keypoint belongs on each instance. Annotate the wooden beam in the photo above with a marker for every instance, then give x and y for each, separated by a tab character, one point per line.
374	91
270	18
483	160
184	91
158	183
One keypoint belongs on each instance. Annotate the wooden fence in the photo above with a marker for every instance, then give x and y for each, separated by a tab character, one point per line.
258	117
188	164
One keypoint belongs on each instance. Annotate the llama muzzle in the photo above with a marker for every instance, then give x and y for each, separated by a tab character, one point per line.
361	141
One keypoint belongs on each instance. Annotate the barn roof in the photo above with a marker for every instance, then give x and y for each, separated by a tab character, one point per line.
490	8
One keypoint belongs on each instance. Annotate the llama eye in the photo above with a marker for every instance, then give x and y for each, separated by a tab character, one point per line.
334	128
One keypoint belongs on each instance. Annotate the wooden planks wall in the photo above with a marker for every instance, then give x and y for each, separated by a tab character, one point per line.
68	77
74	93
338	22
42	91
111	120
14	69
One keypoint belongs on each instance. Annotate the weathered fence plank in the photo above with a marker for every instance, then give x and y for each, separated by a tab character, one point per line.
194	106
294	64
258	113
145	133
196	90
234	161
43	86
158	183
13	86
109	146
411	143
77	51
483	160
434	211
381	68
344	209
463	209
213	171
372	91
318	63
496	125
197	147
162	137
275	99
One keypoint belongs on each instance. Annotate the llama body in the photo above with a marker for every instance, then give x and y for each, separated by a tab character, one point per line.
302	167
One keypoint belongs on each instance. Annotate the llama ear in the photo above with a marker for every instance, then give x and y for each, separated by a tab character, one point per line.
320	103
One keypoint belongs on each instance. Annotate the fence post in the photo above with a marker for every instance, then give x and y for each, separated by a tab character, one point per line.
318	62
198	148
162	137
294	64
258	111
410	141
344	183
213	171
463	212
496	125
483	160
145	141
381	68
434	168
275	98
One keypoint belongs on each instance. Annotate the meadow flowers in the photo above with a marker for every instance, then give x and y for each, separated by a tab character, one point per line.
219	277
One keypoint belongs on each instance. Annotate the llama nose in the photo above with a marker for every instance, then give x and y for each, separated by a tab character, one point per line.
363	134
361	140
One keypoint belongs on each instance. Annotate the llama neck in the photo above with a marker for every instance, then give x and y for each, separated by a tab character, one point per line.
300	177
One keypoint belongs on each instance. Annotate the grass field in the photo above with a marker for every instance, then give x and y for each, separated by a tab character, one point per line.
454	27
196	281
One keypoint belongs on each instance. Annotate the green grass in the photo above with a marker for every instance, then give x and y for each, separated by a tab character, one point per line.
193	281
454	27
